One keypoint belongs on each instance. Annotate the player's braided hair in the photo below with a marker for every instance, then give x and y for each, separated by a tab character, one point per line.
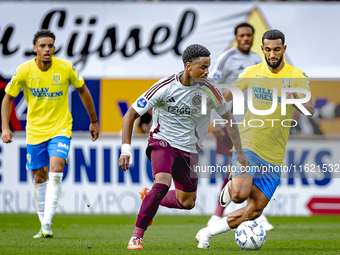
244	25
43	33
193	52
274	35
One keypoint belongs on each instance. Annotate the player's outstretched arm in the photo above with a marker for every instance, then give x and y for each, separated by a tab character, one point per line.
87	100
5	114
125	159
235	137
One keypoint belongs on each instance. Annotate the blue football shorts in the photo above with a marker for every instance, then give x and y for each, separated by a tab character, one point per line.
266	175
39	155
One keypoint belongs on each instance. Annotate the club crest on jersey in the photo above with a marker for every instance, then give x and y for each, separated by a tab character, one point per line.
197	100
56	79
286	82
163	143
141	103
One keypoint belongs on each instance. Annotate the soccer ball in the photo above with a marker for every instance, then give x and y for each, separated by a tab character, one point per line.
250	235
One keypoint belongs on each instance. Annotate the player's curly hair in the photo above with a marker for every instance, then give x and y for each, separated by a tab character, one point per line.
244	25
43	33
274	35
193	52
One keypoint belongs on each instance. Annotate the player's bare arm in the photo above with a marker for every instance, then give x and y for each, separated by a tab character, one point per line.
5	113
87	100
218	131
235	137
308	105
125	159
227	95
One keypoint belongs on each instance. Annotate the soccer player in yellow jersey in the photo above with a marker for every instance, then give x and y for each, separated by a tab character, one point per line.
263	137
45	81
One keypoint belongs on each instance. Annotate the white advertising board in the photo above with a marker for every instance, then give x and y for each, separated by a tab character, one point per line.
94	184
146	40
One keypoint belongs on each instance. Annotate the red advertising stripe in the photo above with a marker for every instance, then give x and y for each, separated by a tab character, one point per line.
324	205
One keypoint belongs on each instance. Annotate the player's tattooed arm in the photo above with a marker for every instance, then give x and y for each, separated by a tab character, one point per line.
308	105
234	134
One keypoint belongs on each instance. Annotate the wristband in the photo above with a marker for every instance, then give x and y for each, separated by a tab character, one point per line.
95	121
126	150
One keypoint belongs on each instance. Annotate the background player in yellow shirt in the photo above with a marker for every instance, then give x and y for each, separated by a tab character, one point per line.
45	81
265	144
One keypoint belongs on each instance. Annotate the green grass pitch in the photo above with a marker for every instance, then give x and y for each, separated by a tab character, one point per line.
107	234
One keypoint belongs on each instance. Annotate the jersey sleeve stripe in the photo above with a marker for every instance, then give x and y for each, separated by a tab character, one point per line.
224	60
159	87
216	93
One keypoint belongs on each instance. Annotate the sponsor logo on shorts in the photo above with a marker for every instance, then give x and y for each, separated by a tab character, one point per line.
62	151
141	103
63	145
163	143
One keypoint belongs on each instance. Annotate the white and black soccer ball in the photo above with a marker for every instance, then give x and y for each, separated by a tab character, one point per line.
250	235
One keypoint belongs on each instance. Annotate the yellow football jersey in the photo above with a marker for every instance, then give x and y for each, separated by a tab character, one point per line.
267	135
46	94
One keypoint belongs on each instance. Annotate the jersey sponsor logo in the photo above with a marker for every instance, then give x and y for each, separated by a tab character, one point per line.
264	94
261	76
171	100
56	79
163	143
43	93
196	100
141	103
63	145
184	110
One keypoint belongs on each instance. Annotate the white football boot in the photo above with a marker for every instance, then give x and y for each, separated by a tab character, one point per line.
203	238
225	198
262	220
